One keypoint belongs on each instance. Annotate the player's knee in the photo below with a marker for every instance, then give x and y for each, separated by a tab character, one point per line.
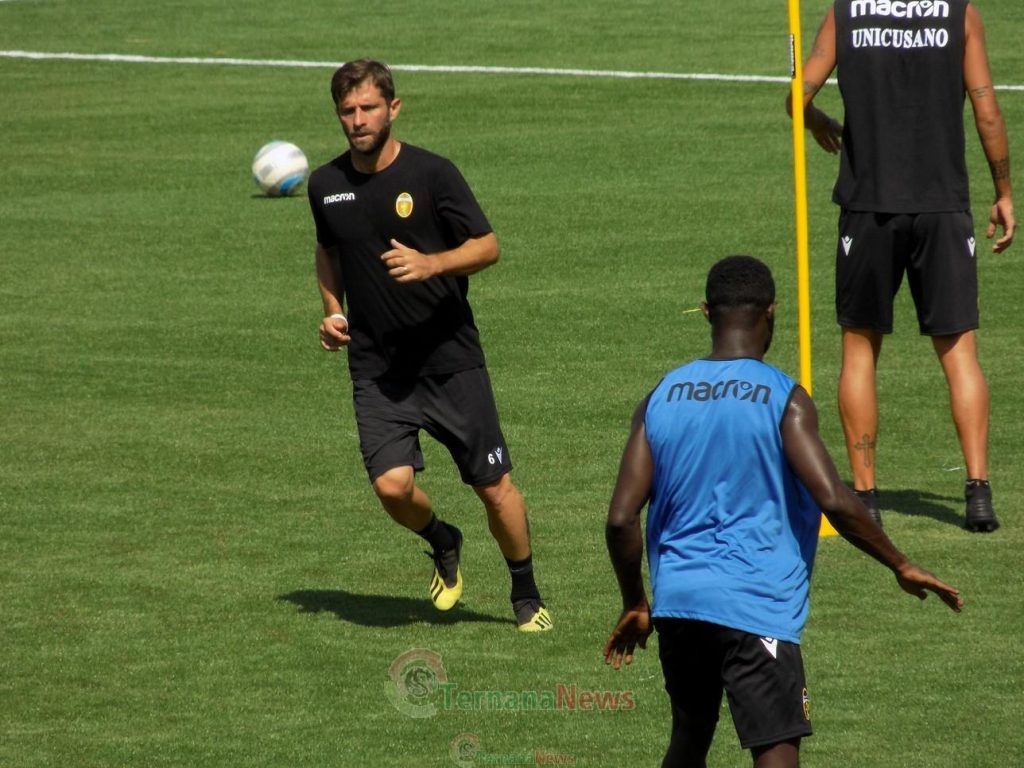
785	754
689	745
497	495
395	485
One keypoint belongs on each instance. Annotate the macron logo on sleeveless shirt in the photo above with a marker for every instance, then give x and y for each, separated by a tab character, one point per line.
898	9
340	197
889	37
703	391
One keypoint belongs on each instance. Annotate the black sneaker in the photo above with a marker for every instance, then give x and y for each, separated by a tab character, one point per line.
446	583
981	517
870	500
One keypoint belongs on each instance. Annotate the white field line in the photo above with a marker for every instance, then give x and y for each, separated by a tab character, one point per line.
456	69
133	59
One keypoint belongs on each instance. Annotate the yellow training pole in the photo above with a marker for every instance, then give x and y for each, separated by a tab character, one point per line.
800	198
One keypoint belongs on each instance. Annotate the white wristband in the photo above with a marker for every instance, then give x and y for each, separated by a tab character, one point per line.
339	316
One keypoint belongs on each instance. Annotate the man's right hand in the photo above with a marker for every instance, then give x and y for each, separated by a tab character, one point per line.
632	629
334	333
827	131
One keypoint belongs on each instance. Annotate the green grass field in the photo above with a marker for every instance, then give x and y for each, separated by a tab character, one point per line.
193	569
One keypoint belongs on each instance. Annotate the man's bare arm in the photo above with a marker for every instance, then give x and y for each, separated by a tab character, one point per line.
988	119
819	65
813	465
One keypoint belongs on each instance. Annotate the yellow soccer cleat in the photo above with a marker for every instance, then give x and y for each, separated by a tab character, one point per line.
538	621
446	589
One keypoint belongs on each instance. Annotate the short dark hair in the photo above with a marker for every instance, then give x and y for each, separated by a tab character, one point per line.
354	73
738	281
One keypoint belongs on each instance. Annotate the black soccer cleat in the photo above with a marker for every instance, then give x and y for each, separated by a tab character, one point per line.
981	517
446	582
870	500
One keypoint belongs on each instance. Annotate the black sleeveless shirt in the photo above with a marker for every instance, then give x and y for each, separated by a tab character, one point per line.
900	67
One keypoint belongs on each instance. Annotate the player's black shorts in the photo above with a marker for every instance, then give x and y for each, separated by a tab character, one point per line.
456	409
764	678
935	250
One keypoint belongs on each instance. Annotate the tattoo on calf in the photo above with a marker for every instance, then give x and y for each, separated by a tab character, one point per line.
866	446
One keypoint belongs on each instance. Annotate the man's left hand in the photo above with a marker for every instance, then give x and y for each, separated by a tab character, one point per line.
407	265
1001	215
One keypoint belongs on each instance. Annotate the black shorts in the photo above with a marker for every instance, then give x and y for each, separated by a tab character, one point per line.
456	409
935	250
764	678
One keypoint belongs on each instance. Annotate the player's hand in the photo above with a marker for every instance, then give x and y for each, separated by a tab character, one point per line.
334	333
1001	215
633	629
918	582
407	265
827	131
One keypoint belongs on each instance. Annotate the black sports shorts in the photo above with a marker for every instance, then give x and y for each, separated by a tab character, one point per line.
456	409
763	676
935	250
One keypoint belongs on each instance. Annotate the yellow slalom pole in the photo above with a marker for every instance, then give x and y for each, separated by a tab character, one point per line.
803	280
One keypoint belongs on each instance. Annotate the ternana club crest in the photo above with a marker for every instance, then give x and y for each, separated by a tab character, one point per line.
403	205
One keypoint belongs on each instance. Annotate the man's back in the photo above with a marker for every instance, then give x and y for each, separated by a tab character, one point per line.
731	531
900	68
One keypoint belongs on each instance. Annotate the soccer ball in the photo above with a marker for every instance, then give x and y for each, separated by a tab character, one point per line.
279	168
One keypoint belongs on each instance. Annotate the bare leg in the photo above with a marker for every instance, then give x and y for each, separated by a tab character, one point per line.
405	501
968	398
690	742
506	517
785	754
858	402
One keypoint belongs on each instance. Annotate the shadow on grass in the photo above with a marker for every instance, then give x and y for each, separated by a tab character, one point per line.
914	503
380	610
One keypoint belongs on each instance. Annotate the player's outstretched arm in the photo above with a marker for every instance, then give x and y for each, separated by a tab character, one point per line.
626	544
813	465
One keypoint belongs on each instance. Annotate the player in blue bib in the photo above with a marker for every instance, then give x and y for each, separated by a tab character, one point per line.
725	453
731	532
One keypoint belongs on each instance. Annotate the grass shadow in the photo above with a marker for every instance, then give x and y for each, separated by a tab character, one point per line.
380	610
914	503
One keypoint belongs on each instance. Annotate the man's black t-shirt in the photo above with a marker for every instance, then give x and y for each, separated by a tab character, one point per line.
422	201
901	76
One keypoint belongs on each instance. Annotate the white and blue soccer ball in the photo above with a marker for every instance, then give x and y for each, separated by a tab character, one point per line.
279	168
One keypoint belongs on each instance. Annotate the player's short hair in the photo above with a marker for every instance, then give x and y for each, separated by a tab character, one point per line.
351	75
738	281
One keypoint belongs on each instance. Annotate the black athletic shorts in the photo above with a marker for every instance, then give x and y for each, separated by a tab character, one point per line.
763	676
935	250
456	409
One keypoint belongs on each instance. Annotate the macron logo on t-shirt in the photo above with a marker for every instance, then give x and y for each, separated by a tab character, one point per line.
340	197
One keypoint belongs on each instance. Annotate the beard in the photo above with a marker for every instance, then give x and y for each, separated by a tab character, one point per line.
369	143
